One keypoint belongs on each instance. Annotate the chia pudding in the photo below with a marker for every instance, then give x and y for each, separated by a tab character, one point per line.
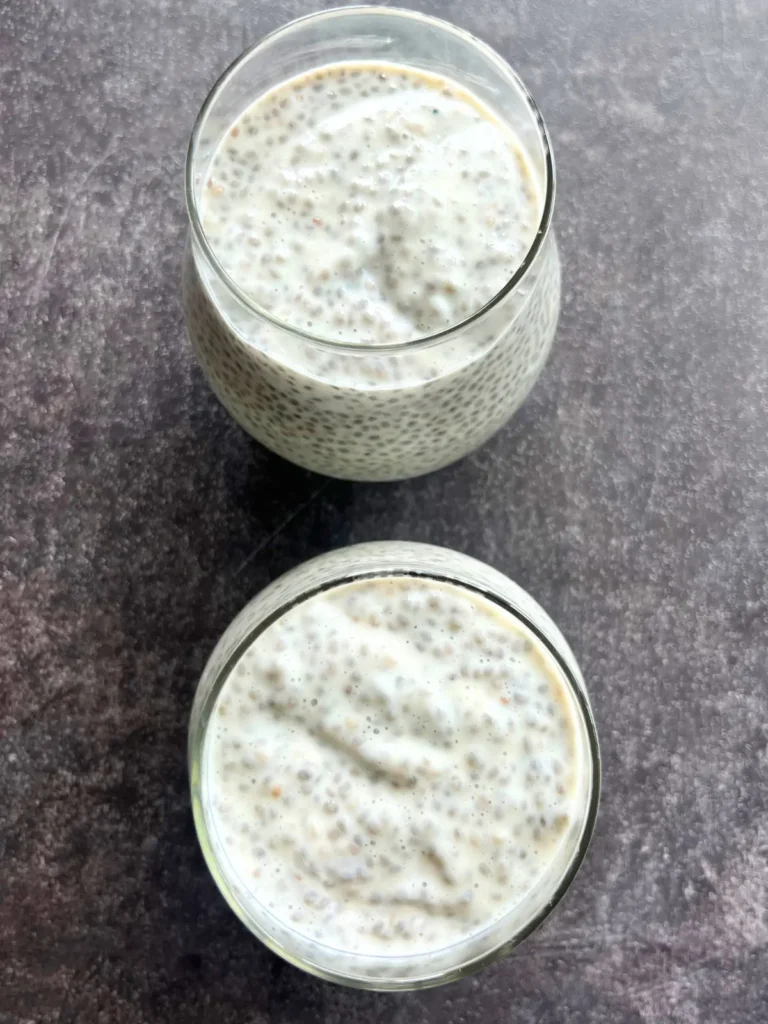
370	203
393	767
361	215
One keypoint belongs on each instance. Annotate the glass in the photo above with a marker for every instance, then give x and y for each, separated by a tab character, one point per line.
390	558
366	412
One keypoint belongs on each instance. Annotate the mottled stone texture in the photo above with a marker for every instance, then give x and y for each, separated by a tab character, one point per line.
630	496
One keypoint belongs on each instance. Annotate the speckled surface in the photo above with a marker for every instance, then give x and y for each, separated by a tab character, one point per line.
630	496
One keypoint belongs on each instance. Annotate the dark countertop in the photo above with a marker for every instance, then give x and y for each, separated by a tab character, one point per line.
630	496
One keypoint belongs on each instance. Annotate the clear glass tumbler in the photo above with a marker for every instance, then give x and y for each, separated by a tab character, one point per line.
371	412
364	561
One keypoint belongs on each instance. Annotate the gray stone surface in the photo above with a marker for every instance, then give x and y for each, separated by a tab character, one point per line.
630	496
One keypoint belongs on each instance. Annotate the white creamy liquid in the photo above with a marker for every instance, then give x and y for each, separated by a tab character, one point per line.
392	766
370	203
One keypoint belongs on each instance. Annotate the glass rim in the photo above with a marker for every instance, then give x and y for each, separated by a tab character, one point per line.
425	341
578	693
